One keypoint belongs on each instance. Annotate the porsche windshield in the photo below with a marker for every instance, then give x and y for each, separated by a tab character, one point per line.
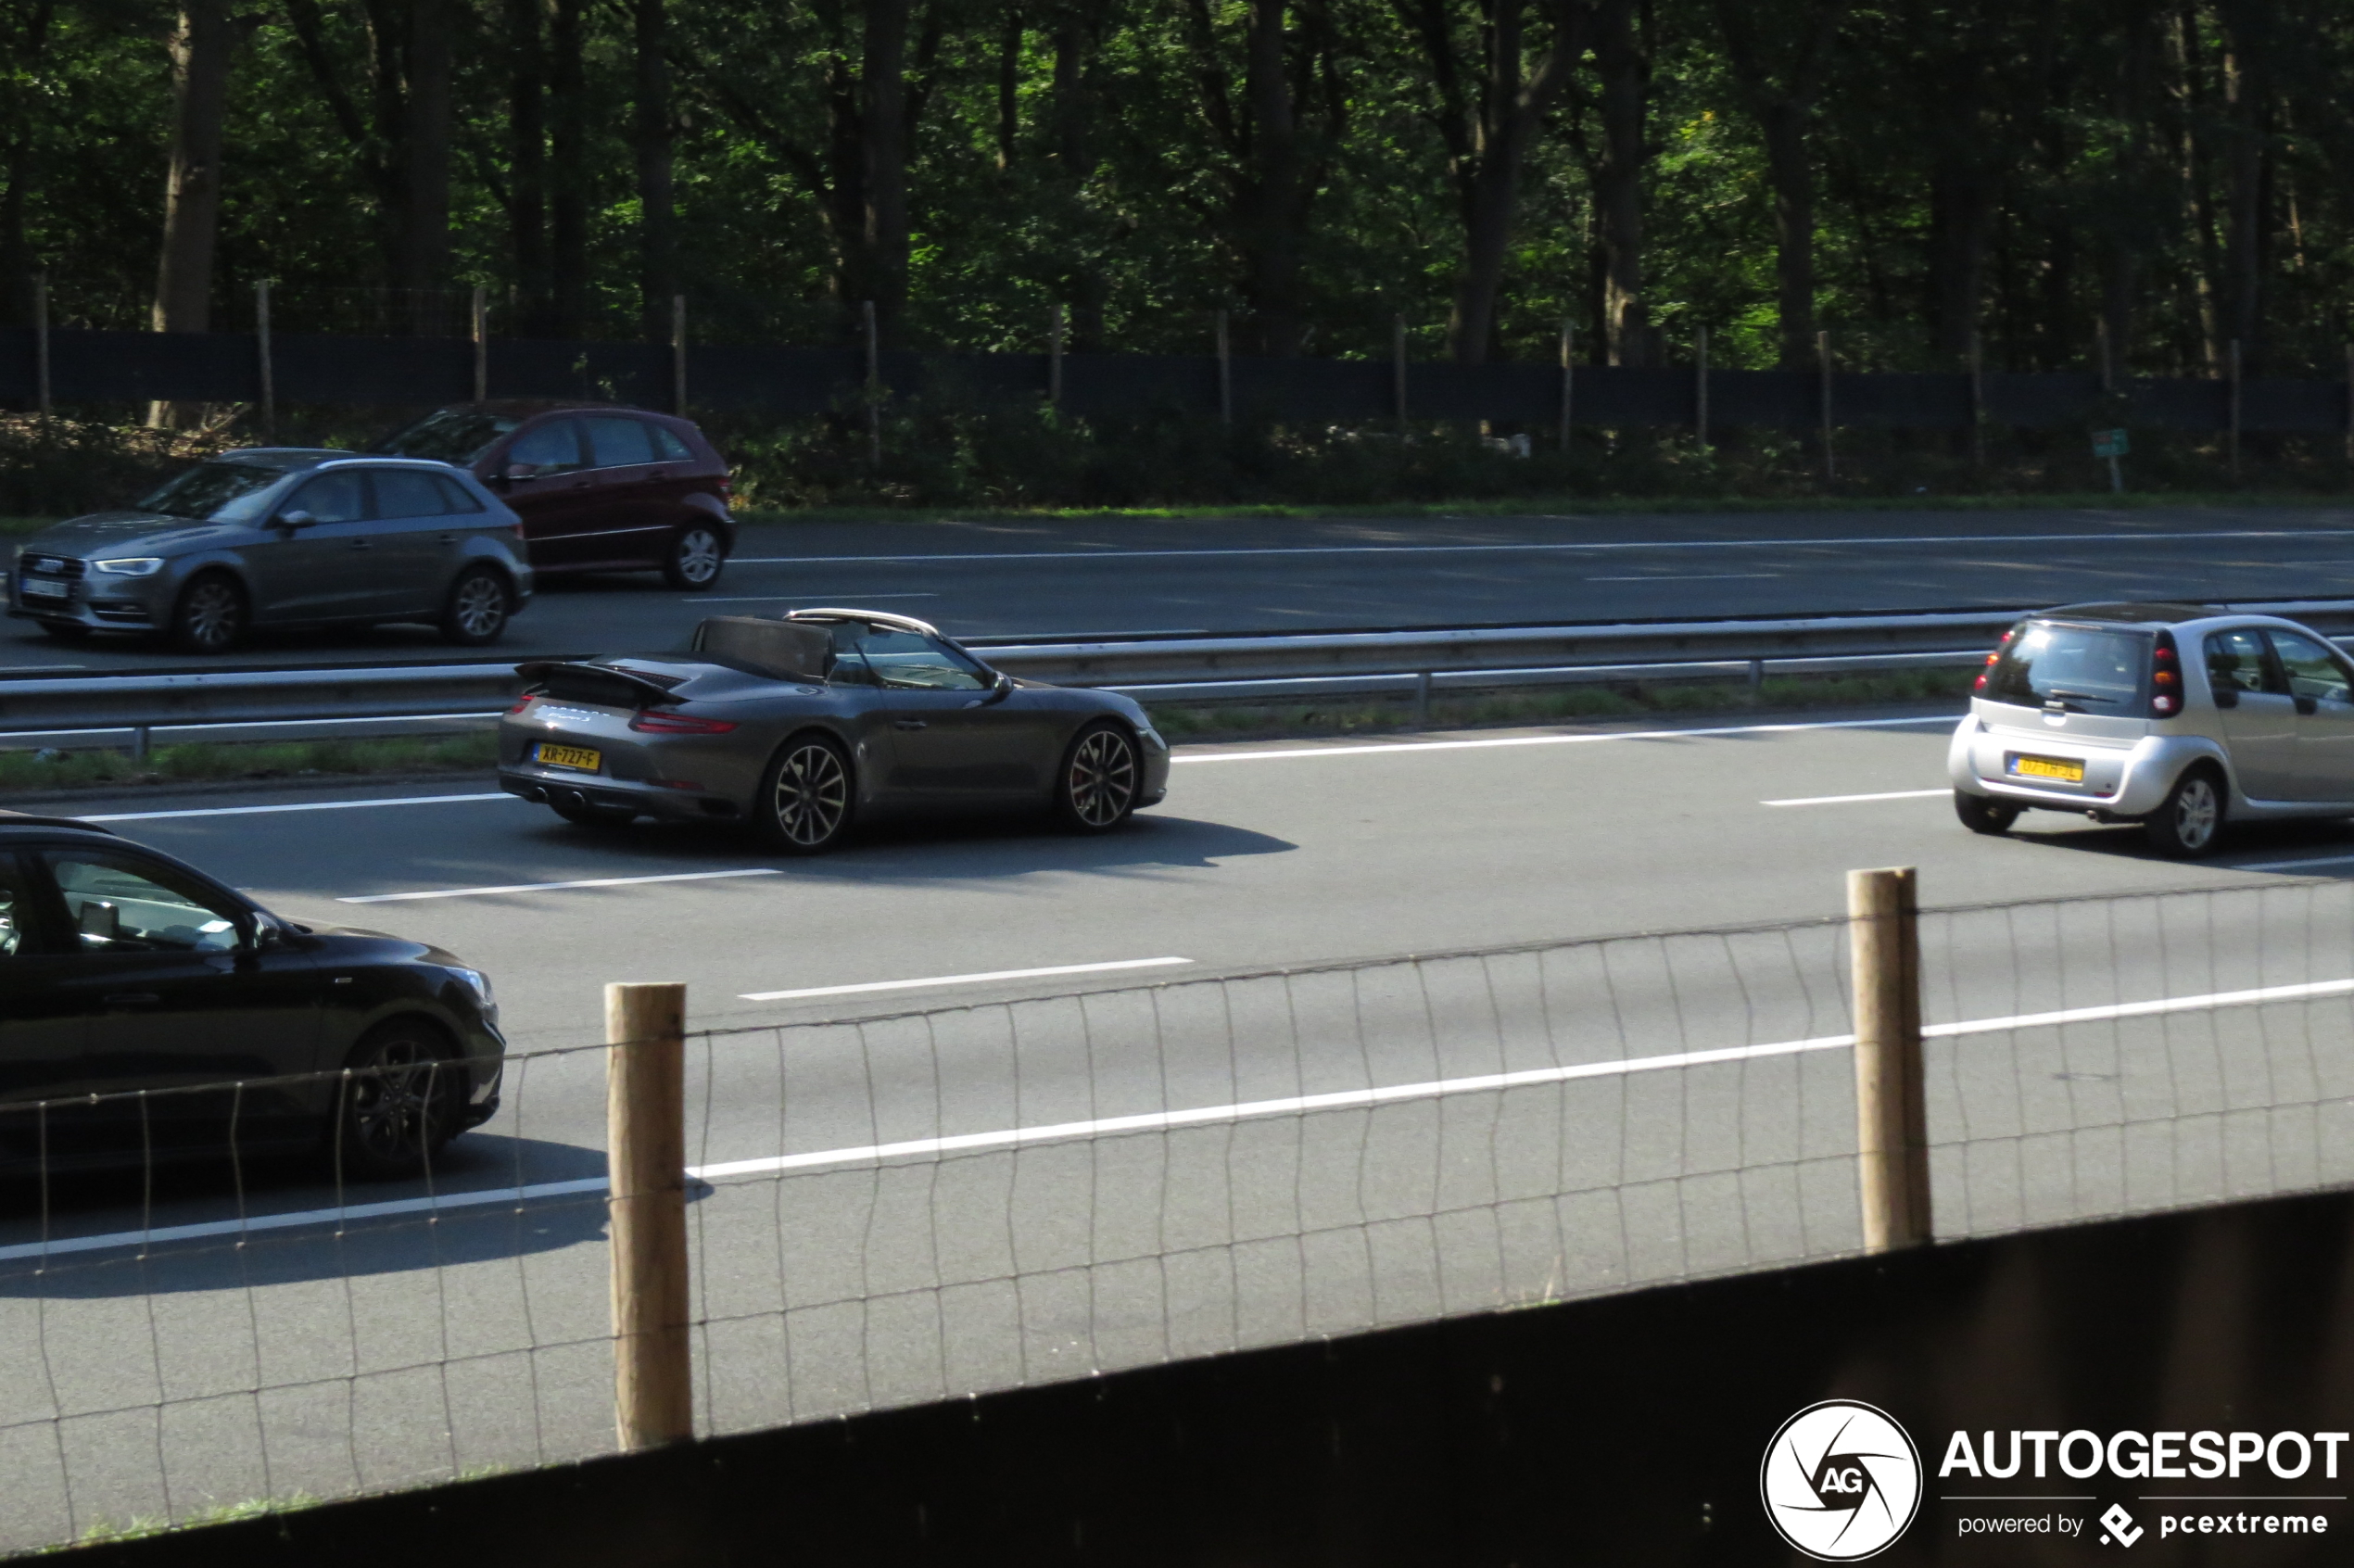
216	492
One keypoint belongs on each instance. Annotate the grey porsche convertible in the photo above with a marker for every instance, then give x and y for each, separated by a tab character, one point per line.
806	725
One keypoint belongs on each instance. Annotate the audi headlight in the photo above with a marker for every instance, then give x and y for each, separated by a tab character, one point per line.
132	566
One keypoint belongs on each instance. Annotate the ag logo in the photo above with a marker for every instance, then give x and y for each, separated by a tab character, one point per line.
1841	1481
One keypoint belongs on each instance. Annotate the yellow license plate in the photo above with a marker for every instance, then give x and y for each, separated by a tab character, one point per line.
583	758
2049	768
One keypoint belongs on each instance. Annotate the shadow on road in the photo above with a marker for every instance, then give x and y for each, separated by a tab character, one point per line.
450	1233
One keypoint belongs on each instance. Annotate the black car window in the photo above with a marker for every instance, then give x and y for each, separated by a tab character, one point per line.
551	447
217	492
339	497
618	442
2236	662
2088	669
118	903
407	492
667	447
2313	670
455	498
454	436
847	666
906	659
16	908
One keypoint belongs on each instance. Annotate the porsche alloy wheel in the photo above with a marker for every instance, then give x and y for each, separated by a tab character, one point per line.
806	801
1097	786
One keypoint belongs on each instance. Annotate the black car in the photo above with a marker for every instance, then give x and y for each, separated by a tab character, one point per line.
148	1012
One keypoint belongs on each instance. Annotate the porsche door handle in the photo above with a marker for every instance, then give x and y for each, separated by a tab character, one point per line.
906	723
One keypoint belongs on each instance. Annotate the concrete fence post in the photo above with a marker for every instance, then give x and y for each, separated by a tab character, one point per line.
646	1134
481	326
1892	1121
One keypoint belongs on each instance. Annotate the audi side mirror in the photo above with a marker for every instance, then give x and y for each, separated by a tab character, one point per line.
515	471
296	519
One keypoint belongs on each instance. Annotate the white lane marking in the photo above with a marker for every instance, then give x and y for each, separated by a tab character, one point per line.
962	979
1690	577
2292	865
1151	1121
1845	800
1398	748
479	1198
1347	1099
300	806
1115	553
560	887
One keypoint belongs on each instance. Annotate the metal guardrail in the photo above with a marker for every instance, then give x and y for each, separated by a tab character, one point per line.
134	711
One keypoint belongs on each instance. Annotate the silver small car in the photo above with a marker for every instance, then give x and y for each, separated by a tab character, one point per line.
2178	716
283	537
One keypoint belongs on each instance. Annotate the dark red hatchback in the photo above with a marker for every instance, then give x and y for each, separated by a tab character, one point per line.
599	488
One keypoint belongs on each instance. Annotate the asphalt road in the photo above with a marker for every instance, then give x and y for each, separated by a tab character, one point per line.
1053	579
326	1357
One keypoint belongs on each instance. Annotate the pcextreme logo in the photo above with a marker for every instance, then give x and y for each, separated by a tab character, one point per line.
1841	1481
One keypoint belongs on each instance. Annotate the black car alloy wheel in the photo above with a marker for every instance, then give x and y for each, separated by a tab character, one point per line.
476	613
807	796
211	615
695	558
399	1102
1098	786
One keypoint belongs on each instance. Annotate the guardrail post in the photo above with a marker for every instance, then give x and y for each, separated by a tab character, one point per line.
1892	1121
645	1115
1757	682
139	740
1422	697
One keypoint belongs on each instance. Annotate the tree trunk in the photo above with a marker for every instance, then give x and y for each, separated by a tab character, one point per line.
1271	217
1792	174
1075	106
1009	87
1961	210
425	226
2247	103
527	168
657	196
17	265
200	47
882	124
568	148
1624	66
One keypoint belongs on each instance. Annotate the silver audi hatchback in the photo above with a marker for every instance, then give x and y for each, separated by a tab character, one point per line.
283	537
2178	716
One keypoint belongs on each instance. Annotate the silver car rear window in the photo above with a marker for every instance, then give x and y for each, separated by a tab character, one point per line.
2087	669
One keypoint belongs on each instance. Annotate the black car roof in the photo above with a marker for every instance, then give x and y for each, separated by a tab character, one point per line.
13	822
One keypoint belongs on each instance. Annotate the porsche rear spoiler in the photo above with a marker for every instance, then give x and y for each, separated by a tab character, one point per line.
596	683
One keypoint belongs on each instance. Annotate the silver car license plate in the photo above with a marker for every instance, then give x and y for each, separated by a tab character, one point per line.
38	588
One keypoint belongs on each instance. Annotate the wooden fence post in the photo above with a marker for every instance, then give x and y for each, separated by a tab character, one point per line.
41	350
1226	375
482	344
1055	357
1569	386
1892	1122
1823	355
2108	355
645	1121
1397	366
2235	407
1976	403
267	369
873	388
678	355
1700	388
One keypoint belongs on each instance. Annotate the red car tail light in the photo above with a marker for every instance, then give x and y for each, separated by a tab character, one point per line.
655	722
1994	659
2166	679
522	701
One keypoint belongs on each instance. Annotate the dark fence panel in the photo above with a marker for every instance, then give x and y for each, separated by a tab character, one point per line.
1623	1430
313	368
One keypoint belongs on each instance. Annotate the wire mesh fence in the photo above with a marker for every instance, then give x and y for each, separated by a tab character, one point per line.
906	1207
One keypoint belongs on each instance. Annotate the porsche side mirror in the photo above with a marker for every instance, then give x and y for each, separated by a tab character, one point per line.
998	692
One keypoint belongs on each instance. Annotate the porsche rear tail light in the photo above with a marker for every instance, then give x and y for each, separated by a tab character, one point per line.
655	722
2166	679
